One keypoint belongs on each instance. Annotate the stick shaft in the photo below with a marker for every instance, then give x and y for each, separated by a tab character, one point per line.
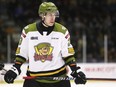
49	78
66	78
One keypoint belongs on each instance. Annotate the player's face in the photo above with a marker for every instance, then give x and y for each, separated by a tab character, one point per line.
49	19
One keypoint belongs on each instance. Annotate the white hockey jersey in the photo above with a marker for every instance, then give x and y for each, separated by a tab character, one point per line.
45	53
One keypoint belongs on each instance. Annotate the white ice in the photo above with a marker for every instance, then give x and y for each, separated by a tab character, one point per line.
88	84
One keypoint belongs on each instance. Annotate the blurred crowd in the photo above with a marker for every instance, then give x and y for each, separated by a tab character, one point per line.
92	18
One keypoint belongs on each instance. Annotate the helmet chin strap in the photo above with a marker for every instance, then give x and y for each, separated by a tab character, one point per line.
43	19
44	24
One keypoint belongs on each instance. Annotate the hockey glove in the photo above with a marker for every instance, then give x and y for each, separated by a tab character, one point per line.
80	77
11	74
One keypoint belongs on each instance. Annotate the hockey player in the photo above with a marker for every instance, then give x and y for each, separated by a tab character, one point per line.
46	45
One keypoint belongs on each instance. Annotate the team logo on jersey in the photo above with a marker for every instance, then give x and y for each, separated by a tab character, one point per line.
43	52
34	38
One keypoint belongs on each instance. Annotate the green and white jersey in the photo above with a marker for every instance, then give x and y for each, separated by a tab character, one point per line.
45	52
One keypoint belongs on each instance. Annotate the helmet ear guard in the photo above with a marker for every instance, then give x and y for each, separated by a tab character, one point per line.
57	13
46	7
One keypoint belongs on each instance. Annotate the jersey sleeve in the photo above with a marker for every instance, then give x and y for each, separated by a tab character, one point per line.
22	49
67	49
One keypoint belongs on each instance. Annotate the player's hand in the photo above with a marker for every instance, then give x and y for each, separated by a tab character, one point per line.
11	75
80	77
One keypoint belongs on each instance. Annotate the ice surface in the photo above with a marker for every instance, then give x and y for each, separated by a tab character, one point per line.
88	84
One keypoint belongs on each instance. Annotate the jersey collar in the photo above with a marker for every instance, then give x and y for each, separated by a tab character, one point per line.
41	28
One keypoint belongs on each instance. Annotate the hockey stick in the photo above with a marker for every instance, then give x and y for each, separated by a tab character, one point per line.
49	78
66	78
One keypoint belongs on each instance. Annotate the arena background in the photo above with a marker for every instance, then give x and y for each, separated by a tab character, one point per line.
91	23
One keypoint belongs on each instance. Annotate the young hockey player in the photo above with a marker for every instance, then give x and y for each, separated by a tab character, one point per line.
46	45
